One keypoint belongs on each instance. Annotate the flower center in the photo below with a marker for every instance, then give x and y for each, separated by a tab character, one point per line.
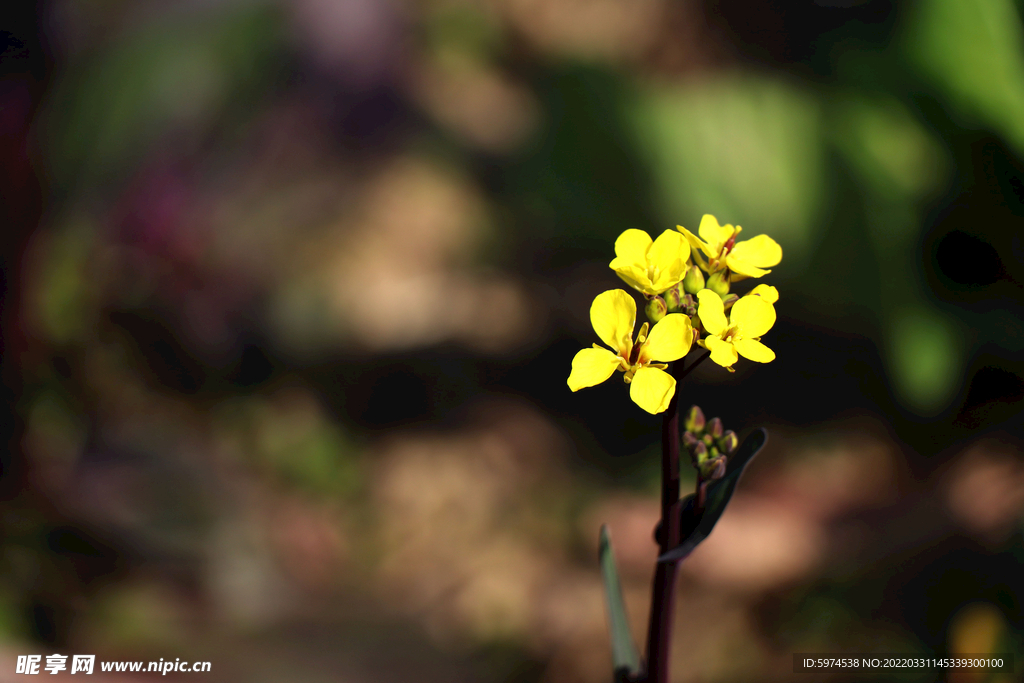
641	339
731	334
628	377
634	355
653	272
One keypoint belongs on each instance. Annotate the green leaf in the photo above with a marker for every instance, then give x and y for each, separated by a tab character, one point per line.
179	74
696	527
625	657
971	51
891	151
926	359
744	148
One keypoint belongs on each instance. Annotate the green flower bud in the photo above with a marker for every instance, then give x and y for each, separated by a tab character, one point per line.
674	298
713	468
708	440
729	442
728	300
694	422
694	280
689	305
700	452
720	469
719	283
689	441
656	309
715	428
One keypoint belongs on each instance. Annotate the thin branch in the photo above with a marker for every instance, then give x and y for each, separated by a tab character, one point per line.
693	366
659	632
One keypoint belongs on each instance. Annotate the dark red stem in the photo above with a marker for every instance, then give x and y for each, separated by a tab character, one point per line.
659	632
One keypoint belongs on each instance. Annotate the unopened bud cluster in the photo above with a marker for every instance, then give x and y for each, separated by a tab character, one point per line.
679	300
708	443
682	297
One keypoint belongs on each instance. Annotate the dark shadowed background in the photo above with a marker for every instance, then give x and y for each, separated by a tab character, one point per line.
291	292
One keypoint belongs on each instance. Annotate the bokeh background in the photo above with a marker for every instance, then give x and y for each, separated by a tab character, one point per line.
291	292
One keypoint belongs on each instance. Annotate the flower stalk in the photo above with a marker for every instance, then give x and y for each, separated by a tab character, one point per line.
659	632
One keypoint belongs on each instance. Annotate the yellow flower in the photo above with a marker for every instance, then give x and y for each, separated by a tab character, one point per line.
766	292
650	267
613	315
749	318
745	259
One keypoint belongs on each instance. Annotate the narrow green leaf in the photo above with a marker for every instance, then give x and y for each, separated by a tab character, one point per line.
696	527
625	657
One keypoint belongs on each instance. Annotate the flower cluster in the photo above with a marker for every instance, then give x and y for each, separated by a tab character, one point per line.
684	299
708	443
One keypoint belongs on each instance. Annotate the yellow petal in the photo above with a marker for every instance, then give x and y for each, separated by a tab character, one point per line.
743	269
700	260
668	279
652	389
714	234
634	276
668	250
754	350
632	247
766	292
670	254
695	242
753	316
722	352
613	315
592	366
761	251
670	339
712	312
